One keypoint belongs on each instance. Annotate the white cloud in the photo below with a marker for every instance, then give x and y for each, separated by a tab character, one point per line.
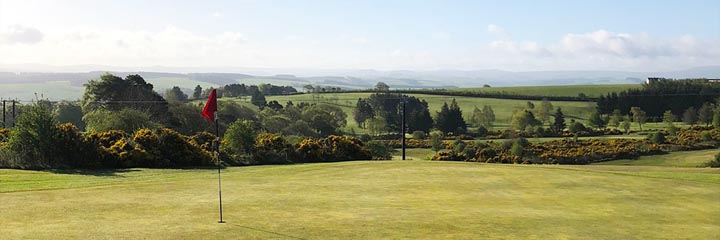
170	46
174	46
217	15
498	32
604	49
20	34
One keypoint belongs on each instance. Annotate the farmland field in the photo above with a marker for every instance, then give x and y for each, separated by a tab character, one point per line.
555	91
365	199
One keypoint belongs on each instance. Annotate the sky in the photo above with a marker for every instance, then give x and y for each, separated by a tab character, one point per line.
509	35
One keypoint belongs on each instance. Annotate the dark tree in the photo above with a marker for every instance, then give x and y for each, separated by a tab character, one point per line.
114	93
705	114
596	120
176	95
690	116
417	115
449	118
197	92
362	112
69	112
258	99
274	105
559	123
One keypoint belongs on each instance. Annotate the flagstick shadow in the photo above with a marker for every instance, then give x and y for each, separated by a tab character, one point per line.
266	231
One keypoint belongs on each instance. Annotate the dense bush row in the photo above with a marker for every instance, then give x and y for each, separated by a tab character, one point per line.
568	151
165	148
161	148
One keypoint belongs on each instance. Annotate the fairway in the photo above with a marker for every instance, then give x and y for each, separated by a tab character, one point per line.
673	159
365	199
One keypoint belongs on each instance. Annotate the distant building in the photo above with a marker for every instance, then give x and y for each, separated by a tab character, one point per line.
652	79
714	80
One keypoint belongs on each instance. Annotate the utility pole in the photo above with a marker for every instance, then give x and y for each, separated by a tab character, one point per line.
13	112
4	126
402	98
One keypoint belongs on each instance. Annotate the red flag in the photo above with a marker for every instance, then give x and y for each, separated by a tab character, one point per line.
211	106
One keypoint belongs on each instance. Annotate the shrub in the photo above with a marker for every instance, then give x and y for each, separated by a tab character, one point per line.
449	156
705	136
657	138
4	134
74	150
436	140
34	137
331	149
271	149
482	131
576	127
239	141
126	119
419	135
379	150
714	163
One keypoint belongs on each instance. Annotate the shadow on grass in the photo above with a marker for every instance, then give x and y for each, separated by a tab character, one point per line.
266	231
93	172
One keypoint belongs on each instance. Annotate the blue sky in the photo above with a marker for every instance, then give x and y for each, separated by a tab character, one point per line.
387	35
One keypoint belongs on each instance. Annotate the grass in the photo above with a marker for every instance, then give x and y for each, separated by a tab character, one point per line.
169	82
674	159
503	108
56	90
414	154
366	200
556	91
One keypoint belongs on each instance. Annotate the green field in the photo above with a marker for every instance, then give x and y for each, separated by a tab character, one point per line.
674	159
58	90
555	91
366	200
162	83
503	107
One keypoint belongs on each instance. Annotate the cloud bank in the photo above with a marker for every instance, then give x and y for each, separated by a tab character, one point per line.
174	46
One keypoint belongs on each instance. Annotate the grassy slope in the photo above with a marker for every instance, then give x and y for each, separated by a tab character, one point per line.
169	82
503	107
566	90
350	200
675	159
60	90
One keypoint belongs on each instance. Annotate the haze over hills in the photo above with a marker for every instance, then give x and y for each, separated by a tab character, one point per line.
70	79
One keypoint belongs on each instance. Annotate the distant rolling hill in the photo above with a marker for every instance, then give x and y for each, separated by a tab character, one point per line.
23	82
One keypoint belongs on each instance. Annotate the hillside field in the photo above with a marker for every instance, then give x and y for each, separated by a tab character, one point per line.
503	107
365	199
555	91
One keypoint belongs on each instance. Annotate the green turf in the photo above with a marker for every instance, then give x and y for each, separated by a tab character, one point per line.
414	154
503	108
674	159
168	82
366	200
57	90
559	91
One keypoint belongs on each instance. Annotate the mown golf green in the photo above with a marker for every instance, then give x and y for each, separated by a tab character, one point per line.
365	200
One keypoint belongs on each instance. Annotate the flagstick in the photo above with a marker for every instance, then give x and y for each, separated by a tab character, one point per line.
217	148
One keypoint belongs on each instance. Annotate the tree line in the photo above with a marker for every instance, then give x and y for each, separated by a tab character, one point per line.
658	95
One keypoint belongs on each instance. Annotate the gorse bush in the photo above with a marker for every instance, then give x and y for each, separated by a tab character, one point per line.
271	149
587	151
